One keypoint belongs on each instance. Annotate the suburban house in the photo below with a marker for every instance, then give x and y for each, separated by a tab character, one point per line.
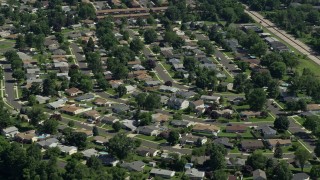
92	114
10	132
224	142
159	117
109	119
57	104
128	124
235	162
313	107
197	104
267	131
301	176
210	99
236	128
89	152
249	114
118	108
42	99
194	174
134	166
48	143
251	145
177	103
152	83
162	173
206	128
282	142
148	130
73	92
181	123
85	97
193	140
108	160
101	102
26	137
73	110
100	140
145	151
259	174
186	94
170	89
69	150
226	113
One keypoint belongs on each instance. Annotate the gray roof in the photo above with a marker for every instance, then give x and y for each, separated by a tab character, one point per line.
186	94
10	129
259	173
224	142
66	149
48	142
163	172
300	176
180	123
194	173
267	130
85	97
146	129
119	107
134	166
90	152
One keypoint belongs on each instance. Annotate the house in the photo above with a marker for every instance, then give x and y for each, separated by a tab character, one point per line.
206	128
10	132
177	103
73	92
89	133
118	108
145	151
129	125
193	140
251	145
100	140
134	166
313	107
26	137
69	150
194	174
186	94
224	142
130	89
109	119
249	114
236	128
197	104
92	114
159	117
57	104
152	83
210	99
165	88
89	152
71	110
101	102
48	143
235	162
148	130
162	173
181	123
282	142
108	160
301	176
259	175
199	159
42	99
267	131
85	97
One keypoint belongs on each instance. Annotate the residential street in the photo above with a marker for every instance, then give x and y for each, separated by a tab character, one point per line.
80	58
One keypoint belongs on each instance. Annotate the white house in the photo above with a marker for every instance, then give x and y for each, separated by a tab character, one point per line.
10	132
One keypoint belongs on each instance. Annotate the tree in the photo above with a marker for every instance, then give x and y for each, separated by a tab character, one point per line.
49	87
32	100
145	119
121	146
36	115
239	82
150	36
278	151
315	172
168	83
122	90
136	45
257	99
302	156
71	123
282	171
257	160
278	69
86	10
95	131
20	42
50	126
259	49
173	138
76	139
52	152
116	126
281	123
220	174
273	89
217	159
150	64
90	45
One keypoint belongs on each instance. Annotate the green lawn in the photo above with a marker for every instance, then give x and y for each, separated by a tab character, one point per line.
299	119
247	134
150	138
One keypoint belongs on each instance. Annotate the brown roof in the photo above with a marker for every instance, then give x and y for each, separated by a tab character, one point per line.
101	139
70	109
100	101
160	117
252	144
236	127
313	107
87	132
92	113
251	113
273	142
203	127
198	102
73	90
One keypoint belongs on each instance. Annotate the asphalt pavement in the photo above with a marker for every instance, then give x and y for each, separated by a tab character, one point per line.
81	60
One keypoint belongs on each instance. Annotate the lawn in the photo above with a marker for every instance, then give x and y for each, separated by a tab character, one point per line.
150	138
246	135
299	119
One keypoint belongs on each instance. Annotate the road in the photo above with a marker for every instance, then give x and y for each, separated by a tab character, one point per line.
295	43
9	85
78	53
